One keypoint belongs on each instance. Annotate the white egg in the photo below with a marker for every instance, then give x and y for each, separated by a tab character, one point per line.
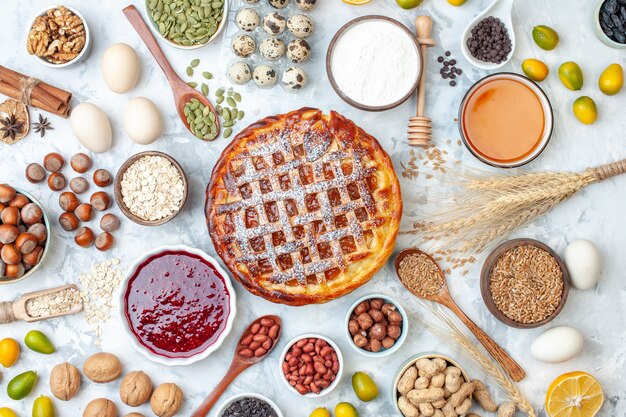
120	67
91	127
142	121
584	263
558	344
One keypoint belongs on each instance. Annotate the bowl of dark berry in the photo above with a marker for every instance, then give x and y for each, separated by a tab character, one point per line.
248	405
609	22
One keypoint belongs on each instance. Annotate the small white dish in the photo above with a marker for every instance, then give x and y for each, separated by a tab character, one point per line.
325	391
598	29
399	342
83	53
237	397
155	28
121	307
503	10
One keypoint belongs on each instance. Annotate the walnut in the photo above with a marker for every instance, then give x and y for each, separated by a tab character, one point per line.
100	407
58	36
365	321
394	331
102	367
166	400
64	381
378	331
135	389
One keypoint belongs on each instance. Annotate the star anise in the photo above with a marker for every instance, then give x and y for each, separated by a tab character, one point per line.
11	127
42	126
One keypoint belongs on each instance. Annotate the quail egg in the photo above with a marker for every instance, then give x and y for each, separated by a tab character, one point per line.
239	72
306	5
274	23
244	45
264	76
278	4
298	50
272	48
294	78
247	19
300	26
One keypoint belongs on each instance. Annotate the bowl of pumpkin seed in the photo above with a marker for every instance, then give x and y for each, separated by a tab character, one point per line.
187	24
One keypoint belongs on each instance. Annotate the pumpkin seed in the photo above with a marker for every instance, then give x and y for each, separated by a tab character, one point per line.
205	89
231	102
228	124
240	114
227	132
189	71
218	109
192	84
207	75
219	99
226	115
233	113
237	97
220	92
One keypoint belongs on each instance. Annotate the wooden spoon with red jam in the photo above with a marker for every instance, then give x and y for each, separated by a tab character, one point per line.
256	343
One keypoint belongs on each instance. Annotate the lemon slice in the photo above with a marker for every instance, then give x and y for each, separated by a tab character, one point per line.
356	2
576	394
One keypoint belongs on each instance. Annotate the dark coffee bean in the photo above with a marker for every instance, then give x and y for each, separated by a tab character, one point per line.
459	71
448	53
440	59
453	62
452	83
452	76
445	75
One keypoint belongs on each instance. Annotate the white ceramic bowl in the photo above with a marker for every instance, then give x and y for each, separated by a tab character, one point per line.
234	398
83	53
332	386
399	341
155	28
121	310
598	29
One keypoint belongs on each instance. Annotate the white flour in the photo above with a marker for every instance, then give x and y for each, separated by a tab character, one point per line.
375	63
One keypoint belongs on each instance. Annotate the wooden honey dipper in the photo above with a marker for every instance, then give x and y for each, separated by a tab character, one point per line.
420	130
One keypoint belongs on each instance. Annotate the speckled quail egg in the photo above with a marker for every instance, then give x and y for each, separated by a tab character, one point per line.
298	50
272	48
278	4
247	19
239	72
294	78
300	26
274	23
306	5
264	76
244	45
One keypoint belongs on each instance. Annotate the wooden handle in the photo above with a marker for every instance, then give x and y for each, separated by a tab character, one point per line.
423	28
609	170
6	312
511	367
135	19
236	367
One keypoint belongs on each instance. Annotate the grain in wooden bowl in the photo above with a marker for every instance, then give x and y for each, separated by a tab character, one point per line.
524	283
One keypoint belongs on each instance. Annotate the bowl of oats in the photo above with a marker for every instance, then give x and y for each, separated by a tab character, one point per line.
151	188
58	37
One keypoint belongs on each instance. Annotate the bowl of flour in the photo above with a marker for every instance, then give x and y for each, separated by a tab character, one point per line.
374	63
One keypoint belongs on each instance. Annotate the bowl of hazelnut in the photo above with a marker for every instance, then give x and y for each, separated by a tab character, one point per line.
24	233
376	325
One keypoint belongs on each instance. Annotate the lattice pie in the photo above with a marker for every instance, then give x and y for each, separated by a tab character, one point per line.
303	207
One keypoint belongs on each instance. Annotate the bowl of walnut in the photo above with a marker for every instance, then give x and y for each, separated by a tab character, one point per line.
376	325
58	37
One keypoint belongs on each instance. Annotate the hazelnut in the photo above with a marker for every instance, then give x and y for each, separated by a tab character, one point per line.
79	185
39	231
84	237
64	381
10	255
100	407
359	340
68	201
31	213
378	331
377	303
84	212
376	315
35	173
80	163
53	162
375	345
104	241
135	389
362	308
388	342
69	221
7	193
8	233
33	258
11	215
100	201
25	243
109	223
56	181
394	317
14	271
19	201
353	327
166	400
102	367
387	308
102	177
394	331
365	321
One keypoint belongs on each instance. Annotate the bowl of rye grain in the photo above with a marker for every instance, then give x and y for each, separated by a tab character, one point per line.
524	283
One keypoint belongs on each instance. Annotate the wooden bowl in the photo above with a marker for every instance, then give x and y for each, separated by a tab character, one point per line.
118	189
486	291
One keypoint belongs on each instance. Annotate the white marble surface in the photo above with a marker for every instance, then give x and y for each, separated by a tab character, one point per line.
597	213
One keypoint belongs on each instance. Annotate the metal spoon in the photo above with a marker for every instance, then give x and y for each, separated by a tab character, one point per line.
443	297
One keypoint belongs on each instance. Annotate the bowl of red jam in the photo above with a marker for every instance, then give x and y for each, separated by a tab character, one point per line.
176	305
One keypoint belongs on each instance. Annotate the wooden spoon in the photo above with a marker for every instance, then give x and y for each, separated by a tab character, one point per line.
182	92
11	311
443	297
420	130
237	366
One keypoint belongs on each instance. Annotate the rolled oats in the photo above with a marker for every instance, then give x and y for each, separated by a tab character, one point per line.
52	304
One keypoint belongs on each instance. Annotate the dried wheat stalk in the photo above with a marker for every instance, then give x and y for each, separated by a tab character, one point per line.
449	332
